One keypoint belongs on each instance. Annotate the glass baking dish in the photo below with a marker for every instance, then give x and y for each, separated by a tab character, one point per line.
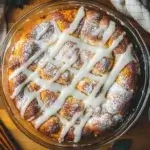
139	100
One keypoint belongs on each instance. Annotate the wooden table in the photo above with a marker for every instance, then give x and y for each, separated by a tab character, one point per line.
139	133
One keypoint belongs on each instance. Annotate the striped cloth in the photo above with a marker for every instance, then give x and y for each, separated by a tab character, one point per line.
3	26
135	9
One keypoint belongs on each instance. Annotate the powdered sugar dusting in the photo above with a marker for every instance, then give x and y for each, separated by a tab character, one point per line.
103	122
119	93
117	99
43	31
102	100
29	48
50	70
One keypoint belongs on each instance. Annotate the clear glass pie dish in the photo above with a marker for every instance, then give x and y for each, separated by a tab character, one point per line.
139	100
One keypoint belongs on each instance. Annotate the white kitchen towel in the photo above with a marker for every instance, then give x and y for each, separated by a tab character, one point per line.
135	9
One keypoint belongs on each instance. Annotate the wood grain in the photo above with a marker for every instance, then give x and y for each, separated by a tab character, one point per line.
6	139
139	133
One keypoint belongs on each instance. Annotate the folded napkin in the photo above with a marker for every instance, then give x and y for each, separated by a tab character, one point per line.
138	9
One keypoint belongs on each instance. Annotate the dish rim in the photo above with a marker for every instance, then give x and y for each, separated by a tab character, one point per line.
136	34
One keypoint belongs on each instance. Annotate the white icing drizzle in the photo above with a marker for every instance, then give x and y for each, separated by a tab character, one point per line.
41	33
78	128
99	31
117	41
19	88
45	85
67	60
68	125
69	90
89	75
62	120
109	31
77	20
25	65
89	100
28	97
123	60
36	55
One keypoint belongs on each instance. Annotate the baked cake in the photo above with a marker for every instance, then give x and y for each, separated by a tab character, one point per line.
72	73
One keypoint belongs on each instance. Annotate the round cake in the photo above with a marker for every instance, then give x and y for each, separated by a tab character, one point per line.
72	73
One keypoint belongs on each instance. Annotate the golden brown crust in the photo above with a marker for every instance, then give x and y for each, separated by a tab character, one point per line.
27	48
127	77
103	66
48	97
51	127
71	107
32	110
86	86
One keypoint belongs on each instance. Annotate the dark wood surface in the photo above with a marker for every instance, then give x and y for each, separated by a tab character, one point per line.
139	133
7	141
